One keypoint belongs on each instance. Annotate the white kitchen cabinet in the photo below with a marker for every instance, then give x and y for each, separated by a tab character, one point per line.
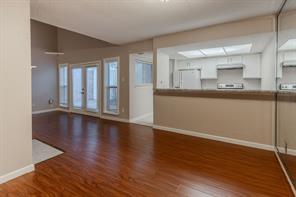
252	68
284	56
235	59
290	55
208	69
229	60
221	60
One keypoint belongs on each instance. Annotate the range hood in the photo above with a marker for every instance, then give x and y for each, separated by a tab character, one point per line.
289	63
229	66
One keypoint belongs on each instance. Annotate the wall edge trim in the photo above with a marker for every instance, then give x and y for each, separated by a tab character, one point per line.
45	111
285	172
114	118
14	174
132	120
216	138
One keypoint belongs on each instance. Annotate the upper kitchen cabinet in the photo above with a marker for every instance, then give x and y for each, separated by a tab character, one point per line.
252	66
286	59
208	69
229	60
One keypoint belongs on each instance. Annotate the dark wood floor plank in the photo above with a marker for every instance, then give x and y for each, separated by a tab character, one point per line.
107	158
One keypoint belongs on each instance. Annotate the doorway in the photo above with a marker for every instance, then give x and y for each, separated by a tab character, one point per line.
141	88
85	89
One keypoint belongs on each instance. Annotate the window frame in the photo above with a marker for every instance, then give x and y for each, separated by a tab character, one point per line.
105	77
59	85
143	73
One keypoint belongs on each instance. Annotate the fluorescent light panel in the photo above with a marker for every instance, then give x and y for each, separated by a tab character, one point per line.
192	54
238	49
220	51
289	45
213	52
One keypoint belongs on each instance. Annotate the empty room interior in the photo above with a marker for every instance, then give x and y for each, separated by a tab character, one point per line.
193	98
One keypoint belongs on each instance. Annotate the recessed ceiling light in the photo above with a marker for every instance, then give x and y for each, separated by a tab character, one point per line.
192	54
213	52
164	1
289	45
238	49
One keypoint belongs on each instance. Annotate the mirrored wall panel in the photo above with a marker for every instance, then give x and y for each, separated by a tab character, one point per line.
286	86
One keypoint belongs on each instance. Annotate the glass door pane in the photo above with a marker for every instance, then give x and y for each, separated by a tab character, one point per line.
77	88
112	101
63	85
92	88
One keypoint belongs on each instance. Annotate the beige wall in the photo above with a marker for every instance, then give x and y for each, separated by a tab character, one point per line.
248	120
96	53
69	40
286	124
45	76
15	86
227	30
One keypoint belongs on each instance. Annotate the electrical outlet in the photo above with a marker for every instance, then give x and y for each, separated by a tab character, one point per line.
50	101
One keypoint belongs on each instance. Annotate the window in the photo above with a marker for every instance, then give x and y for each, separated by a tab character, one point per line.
111	83
92	88
63	85
143	72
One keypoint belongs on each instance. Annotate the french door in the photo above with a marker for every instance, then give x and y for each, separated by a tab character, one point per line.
85	89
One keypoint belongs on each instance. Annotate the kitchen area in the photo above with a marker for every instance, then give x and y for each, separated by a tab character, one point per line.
239	63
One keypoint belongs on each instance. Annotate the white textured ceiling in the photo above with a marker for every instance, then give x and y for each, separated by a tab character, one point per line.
123	21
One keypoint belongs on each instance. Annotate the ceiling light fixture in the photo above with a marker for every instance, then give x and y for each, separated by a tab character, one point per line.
289	45
164	1
220	51
192	54
213	52
238	49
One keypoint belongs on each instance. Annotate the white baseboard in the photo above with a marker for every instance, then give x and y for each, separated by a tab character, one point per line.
63	109
143	124
133	120
16	173
114	118
89	114
217	138
45	111
285	172
96	115
289	151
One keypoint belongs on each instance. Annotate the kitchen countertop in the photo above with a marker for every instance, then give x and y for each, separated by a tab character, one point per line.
230	94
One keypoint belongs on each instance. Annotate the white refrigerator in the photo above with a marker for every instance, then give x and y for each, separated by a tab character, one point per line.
187	79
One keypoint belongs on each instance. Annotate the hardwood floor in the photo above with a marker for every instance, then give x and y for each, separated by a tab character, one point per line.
106	158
